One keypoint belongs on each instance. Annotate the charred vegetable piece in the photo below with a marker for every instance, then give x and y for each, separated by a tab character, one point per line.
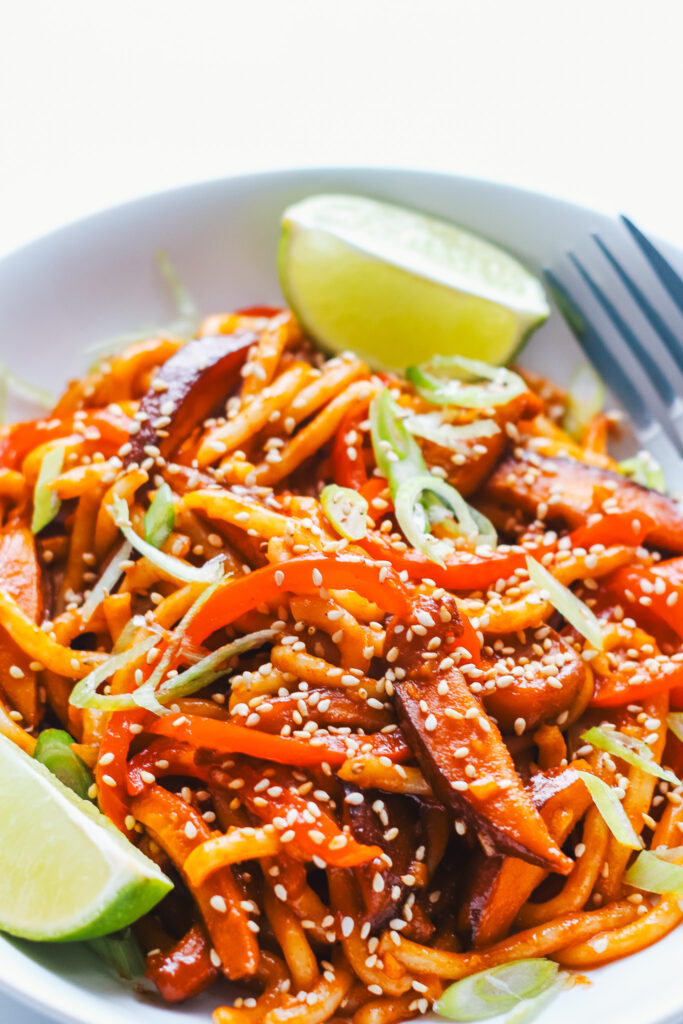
573	491
534	696
448	729
187	387
499	886
186	969
373	818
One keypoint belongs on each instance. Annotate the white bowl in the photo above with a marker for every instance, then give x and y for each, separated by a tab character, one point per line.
98	277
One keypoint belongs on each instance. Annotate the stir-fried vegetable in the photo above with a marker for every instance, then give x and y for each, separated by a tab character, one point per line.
168	564
55	750
497	990
645	470
607	801
575	611
660	872
441	381
629	749
160	517
45	501
346	510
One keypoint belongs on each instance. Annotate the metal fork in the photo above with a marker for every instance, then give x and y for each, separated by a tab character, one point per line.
643	366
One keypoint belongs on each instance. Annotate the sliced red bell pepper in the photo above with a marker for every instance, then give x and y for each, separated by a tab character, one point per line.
349	470
658	586
163	757
268	311
21	438
186	969
111	776
305	575
228	738
618	688
315	833
477	572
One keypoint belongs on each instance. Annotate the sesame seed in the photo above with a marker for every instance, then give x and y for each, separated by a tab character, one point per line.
108	781
219	904
347	926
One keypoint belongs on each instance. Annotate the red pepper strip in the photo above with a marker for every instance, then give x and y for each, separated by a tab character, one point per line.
315	833
185	970
478	573
671	570
628	581
24	437
111	777
617	688
349	471
628	528
267	585
179	829
163	757
227	738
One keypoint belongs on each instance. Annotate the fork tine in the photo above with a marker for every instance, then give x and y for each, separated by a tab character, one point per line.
597	352
654	371
674	346
662	268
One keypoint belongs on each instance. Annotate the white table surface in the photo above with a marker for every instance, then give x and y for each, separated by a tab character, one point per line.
103	102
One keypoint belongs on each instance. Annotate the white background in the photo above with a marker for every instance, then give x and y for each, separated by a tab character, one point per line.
103	101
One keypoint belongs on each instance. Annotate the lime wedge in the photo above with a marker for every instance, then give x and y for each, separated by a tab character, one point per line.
65	871
398	287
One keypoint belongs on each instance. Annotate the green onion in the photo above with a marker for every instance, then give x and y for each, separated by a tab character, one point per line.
528	1009
609	805
645	470
399	458
346	510
84	693
497	990
411	517
54	750
442	389
578	614
160	517
449	435
585	399
629	749
675	722
210	572
654	872
397	453
121	952
107	581
45	502
203	673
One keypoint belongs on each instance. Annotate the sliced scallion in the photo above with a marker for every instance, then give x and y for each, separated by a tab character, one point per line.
497	990
54	750
210	572
578	614
645	470
107	580
121	953
203	673
446	386
411	518
454	436
629	749
655	872
46	504
675	722
84	693
160	517
346	510
609	805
